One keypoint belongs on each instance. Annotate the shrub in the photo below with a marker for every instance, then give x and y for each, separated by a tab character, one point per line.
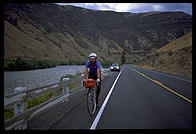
20	64
106	63
38	100
8	113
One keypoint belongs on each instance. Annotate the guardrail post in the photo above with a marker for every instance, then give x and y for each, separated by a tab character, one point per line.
65	89
20	106
20	97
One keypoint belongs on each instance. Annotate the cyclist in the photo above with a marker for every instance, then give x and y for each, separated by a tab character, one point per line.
94	72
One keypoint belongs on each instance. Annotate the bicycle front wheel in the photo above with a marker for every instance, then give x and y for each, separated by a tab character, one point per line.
91	101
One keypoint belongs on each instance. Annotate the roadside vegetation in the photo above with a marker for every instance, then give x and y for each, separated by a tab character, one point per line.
38	100
21	64
31	103
8	113
45	97
105	63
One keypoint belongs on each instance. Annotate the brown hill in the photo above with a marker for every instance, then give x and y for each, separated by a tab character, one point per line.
174	58
50	31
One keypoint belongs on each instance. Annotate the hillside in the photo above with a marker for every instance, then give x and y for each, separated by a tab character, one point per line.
64	33
174	58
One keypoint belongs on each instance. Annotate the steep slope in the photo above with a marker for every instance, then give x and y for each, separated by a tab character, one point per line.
50	31
175	57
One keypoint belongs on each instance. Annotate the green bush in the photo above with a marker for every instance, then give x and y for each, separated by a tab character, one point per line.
72	62
8	113
31	103
20	64
106	63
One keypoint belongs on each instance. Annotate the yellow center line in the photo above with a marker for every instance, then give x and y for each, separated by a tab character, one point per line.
159	83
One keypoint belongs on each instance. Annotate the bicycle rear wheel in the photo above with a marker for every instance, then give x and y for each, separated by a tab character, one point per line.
91	101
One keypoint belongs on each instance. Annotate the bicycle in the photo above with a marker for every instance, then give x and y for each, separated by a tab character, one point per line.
91	95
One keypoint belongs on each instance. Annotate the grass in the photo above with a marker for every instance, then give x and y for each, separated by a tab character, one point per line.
8	113
43	98
74	85
38	100
31	103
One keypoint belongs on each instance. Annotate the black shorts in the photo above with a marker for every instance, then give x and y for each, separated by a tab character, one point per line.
93	76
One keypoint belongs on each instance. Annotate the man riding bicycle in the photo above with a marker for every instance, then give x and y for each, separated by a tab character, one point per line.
94	72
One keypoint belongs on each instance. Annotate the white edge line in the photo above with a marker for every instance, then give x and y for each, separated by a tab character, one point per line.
95	122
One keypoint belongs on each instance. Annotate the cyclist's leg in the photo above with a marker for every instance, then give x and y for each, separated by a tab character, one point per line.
94	76
97	93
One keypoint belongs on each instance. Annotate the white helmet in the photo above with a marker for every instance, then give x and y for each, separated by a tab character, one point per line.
93	55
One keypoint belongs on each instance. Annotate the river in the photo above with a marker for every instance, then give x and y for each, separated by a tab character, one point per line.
37	78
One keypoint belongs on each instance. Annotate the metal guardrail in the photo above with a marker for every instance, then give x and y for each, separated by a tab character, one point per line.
18	101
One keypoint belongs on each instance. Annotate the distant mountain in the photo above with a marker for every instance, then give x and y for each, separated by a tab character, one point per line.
64	33
174	58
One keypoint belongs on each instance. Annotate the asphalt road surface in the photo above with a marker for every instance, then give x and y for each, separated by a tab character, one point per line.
139	102
135	98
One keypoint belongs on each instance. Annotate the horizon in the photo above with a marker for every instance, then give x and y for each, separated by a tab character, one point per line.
135	7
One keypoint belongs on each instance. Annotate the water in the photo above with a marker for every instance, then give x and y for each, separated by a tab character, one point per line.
37	78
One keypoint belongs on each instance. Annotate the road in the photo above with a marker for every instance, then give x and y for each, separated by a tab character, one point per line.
136	99
137	102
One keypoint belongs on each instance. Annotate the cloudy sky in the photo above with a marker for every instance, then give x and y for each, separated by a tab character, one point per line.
136	7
